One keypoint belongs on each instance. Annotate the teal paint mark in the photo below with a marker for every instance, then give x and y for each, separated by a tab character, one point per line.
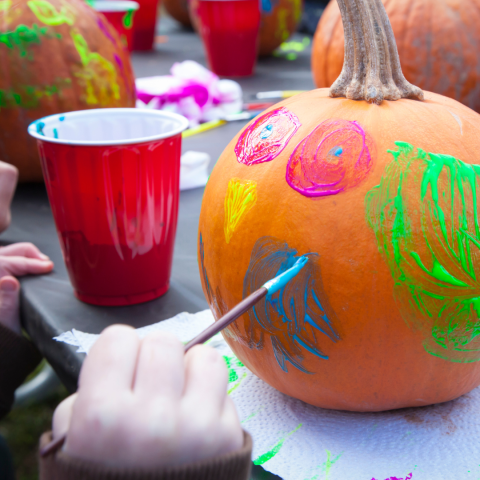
55	133
275	449
266	132
424	214
22	38
40	126
277	283
62	119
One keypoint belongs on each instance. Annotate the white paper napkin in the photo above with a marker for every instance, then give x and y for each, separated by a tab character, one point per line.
299	442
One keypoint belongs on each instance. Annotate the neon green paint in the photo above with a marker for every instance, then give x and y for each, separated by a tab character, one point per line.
275	449
23	37
252	415
424	214
49	15
231	390
128	19
99	75
329	463
29	96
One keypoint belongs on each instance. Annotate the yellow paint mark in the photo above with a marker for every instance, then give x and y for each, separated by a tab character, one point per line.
240	198
98	73
49	15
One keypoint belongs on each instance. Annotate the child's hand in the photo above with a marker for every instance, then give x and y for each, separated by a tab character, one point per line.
17	259
8	183
23	259
144	403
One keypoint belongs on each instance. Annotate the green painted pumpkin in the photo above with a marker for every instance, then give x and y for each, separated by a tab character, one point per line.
55	56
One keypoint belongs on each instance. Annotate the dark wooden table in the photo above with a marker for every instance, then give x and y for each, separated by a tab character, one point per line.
48	304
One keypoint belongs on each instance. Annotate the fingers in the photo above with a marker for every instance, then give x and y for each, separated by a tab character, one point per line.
62	416
232	433
110	365
206	379
160	367
9	303
19	266
23	249
8	183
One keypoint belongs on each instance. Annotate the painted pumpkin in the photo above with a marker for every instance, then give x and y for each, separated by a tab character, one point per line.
55	56
279	21
380	190
178	9
440	55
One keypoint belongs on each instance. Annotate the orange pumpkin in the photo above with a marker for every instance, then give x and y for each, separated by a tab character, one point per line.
380	191
178	9
279	21
55	56
438	44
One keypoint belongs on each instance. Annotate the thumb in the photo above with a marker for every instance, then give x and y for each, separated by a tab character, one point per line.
62	416
9	303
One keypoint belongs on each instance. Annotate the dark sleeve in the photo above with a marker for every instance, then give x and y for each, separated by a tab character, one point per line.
18	358
232	466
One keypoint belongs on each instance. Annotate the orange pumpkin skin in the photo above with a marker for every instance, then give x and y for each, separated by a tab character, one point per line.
440	56
379	359
56	56
279	21
178	9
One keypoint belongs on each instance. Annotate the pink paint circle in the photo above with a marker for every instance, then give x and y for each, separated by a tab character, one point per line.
266	137
334	157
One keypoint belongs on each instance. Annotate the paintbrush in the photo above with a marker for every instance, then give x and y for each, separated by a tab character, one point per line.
268	288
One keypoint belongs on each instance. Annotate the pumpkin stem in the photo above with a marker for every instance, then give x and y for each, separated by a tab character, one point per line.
371	68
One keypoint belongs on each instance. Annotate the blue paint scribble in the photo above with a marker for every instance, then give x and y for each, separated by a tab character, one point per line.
215	300
268	5
295	318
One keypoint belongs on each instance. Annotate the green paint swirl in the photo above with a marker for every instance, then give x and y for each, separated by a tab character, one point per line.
22	38
424	214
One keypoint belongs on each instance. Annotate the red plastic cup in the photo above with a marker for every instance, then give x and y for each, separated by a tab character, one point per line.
112	177
145	24
230	30
120	14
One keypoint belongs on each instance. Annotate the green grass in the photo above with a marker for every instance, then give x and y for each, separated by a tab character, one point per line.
22	428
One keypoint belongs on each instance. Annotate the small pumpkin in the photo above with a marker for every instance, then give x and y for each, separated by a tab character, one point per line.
377	184
178	9
279	21
438	44
55	56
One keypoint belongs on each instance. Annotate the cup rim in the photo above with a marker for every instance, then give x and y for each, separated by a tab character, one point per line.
51	120
114	5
